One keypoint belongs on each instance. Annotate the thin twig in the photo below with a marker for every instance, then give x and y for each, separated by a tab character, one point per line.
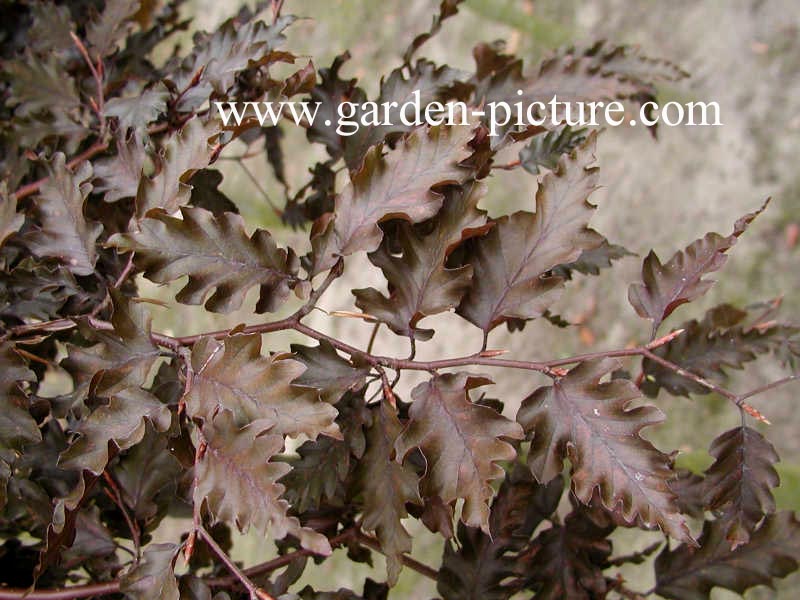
116	497
97	74
421	568
68	593
125	272
373	336
753	412
279	562
508	166
769	386
256	593
261	189
93	150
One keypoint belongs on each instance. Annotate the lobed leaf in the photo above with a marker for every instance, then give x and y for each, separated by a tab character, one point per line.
115	368
215	253
121	421
599	72
592	261
238	481
687	573
64	232
218	57
492	567
118	176
147	476
461	441
34	291
184	152
317	478
512	264
120	359
447	9
17	426
153	578
41	85
106	31
431	83
592	424
386	487
231	376
738	482
420	282
665	287
206	193
723	339
138	111
327	372
397	185
546	148
10	220
569	559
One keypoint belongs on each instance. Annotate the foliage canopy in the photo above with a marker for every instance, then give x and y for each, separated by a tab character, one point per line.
107	173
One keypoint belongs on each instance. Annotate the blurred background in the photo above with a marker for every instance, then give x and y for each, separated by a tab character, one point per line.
660	194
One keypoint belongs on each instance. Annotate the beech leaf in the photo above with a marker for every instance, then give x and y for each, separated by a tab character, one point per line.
17	426
105	32
139	111
387	486
206	193
491	567
184	152
64	232
723	339
397	185
232	376
147	476
120	421
153	578
420	283
10	219
687	573
327	372
461	441
738	482
425	79
546	148
118	176
512	264
121	358
239	482
592	424
591	261
216	253
218	57
665	287
318	475
570	559
41	85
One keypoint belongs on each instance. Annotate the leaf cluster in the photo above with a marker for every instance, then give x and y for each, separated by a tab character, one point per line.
108	174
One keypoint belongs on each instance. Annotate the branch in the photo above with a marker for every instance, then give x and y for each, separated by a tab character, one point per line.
116	497
277	563
112	587
486	358
769	386
737	400
256	593
97	73
68	593
93	150
422	569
